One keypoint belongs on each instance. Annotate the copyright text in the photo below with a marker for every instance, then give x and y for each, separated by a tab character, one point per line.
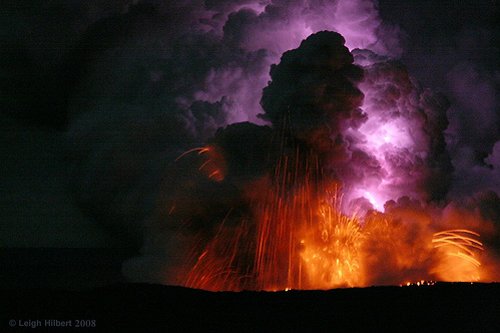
53	323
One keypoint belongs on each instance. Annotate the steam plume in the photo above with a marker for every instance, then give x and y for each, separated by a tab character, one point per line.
155	92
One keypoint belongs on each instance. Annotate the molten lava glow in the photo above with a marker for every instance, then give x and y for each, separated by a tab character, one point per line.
331	253
298	238
459	250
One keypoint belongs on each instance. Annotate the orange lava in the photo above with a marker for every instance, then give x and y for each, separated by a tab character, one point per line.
298	238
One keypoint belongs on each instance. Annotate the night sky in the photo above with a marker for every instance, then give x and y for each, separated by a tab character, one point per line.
97	97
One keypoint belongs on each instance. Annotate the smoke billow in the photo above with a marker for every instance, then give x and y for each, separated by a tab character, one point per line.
402	136
159	78
313	94
183	114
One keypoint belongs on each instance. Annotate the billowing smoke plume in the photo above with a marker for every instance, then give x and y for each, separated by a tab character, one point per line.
160	78
402	136
380	134
183	114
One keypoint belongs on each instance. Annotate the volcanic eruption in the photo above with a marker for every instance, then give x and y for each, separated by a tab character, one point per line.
299	204
285	148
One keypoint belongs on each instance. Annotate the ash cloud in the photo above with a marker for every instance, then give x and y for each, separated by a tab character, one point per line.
151	92
457	54
158	68
149	80
474	128
312	92
313	102
376	130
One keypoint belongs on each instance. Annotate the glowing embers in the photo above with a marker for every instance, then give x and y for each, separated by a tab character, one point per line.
289	232
332	250
300	241
225	262
286	208
421	283
213	164
458	252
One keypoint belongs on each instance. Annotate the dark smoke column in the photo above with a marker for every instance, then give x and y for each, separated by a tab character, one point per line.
313	95
373	128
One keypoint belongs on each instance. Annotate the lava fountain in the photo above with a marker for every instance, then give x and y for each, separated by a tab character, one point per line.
339	195
300	239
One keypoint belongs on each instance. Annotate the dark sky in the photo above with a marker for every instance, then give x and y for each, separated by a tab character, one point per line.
52	53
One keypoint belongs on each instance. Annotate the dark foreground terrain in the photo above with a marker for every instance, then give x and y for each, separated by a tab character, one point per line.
155	308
